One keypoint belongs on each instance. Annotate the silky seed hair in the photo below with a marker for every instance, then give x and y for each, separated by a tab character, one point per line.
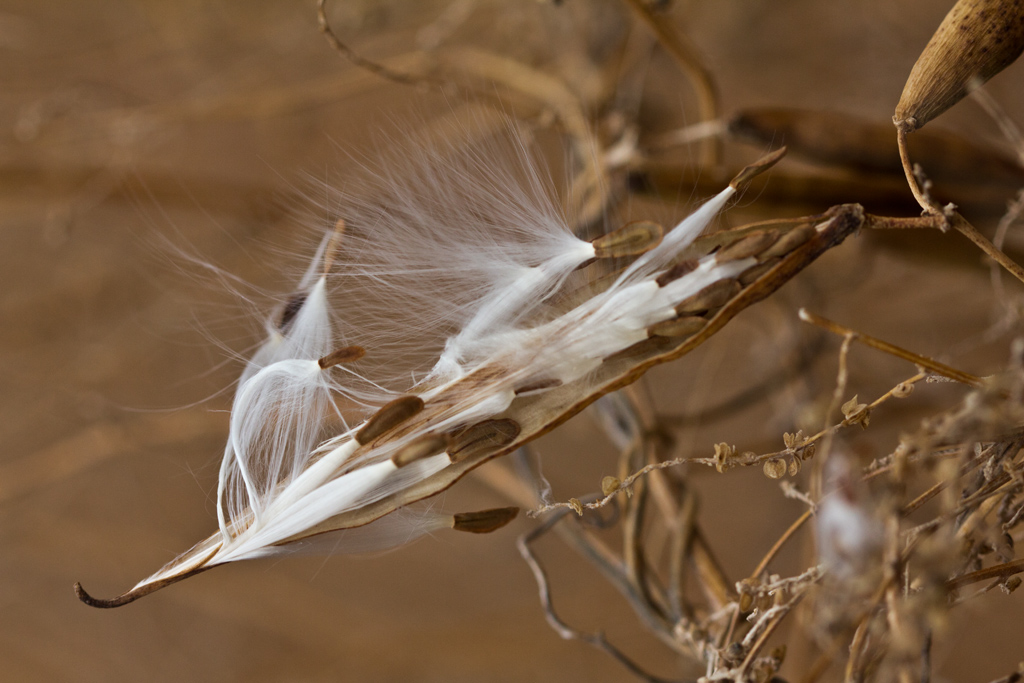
436	300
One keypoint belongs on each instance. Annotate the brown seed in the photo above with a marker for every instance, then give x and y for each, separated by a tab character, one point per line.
789	241
481	437
422	447
291	309
747	246
976	40
388	417
711	297
677	271
757	168
631	239
484	521
347	354
678	327
751	274
538	386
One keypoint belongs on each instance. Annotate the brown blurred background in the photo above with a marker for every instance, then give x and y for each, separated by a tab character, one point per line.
131	132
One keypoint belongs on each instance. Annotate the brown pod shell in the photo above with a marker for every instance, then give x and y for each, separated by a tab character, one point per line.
976	40
484	521
711	297
483	436
745	247
417	449
388	417
632	239
678	327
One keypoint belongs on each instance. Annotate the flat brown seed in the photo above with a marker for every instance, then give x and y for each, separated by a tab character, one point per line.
745	247
678	327
291	309
538	386
348	354
751	274
789	241
422	447
677	271
484	521
976	40
481	437
757	168
388	417
632	239
709	298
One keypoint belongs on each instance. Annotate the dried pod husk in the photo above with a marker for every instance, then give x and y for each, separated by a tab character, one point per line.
775	469
632	239
484	521
867	146
422	447
976	40
610	485
709	298
489	434
348	354
388	417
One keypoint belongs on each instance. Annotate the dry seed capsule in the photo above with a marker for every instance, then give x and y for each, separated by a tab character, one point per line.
976	40
388	417
484	521
632	239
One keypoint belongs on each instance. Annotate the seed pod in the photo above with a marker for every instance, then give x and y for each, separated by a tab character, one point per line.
976	40
484	521
483	436
347	354
632	239
678	327
388	417
610	485
774	469
422	447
